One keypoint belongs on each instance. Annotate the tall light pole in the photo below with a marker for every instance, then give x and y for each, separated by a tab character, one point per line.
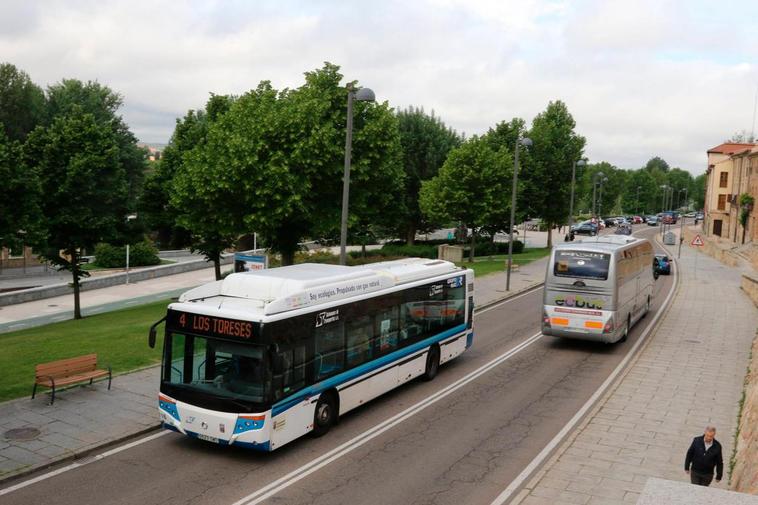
600	201
594	190
526	142
679	198
130	217
637	207
579	163
362	95
663	197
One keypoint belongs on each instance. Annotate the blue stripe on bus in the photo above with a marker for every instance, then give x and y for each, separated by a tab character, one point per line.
356	372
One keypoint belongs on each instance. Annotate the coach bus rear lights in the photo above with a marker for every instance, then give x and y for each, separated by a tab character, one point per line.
608	326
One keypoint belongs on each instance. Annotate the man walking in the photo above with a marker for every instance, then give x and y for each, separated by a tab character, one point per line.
703	455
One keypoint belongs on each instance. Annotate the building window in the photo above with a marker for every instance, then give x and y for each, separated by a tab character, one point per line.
722	202
723	178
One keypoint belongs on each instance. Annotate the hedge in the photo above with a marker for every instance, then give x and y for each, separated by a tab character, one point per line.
140	254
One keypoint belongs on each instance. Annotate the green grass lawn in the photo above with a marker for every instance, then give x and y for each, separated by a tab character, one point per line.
90	267
119	338
491	264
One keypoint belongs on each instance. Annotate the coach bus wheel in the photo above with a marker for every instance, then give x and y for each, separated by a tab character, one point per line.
325	414
432	363
626	331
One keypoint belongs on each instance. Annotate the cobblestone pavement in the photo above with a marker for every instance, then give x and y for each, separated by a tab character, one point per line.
689	374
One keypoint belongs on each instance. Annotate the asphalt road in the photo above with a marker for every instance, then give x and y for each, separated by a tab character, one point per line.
465	448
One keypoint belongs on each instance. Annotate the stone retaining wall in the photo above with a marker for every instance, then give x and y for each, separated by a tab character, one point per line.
713	247
744	477
97	282
750	287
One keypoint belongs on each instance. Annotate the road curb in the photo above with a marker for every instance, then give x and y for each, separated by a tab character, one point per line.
508	296
76	455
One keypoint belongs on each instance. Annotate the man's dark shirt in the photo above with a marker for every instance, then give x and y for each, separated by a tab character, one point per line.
703	461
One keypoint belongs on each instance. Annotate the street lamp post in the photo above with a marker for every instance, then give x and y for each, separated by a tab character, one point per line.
594	191
579	163
526	142
637	207
130	217
600	201
362	95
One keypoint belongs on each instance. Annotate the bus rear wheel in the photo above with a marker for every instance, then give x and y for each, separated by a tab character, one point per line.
626	331
432	363
324	415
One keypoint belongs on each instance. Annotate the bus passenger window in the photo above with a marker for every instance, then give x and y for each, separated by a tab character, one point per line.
359	341
386	329
330	349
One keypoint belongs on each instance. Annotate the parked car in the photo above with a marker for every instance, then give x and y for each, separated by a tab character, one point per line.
624	229
661	264
690	214
652	220
699	216
637	219
609	221
585	228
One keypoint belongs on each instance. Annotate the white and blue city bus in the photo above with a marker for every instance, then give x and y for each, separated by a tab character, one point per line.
263	357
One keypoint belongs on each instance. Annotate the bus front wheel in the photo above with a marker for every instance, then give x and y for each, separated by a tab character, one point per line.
325	414
432	363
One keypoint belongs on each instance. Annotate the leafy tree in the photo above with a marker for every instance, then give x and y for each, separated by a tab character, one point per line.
426	142
84	188
19	185
470	187
212	218
679	180
275	162
556	146
22	103
155	200
640	201
72	95
656	163
698	191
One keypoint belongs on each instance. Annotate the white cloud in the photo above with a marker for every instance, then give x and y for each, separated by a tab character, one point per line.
641	78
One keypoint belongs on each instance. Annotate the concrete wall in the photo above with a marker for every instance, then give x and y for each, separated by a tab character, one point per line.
28	295
717	248
745	474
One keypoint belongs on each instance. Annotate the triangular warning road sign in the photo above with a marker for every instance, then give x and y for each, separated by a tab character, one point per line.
697	241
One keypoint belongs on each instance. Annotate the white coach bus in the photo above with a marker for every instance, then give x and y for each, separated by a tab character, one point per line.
263	357
597	289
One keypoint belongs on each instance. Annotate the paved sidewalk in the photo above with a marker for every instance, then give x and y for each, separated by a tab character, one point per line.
85	418
690	373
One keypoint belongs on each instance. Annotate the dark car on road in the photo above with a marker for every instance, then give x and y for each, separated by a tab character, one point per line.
585	228
661	264
652	220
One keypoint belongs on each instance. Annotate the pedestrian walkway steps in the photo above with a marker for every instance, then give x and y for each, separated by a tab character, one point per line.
667	492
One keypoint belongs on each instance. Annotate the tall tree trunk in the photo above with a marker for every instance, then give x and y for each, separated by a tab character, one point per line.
288	258
410	234
473	244
550	235
217	265
75	273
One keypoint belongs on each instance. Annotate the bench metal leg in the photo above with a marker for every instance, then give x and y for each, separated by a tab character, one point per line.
90	381
52	395
110	377
34	390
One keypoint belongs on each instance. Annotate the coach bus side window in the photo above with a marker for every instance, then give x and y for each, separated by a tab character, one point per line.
330	349
175	363
455	309
413	316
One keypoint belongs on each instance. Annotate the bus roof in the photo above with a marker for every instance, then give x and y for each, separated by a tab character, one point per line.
606	243
266	292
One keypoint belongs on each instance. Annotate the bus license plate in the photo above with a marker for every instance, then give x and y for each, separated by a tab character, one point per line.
207	438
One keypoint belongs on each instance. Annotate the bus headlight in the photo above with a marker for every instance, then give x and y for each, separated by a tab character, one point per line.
248	423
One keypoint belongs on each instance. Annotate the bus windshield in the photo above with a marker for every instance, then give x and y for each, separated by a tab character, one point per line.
224	370
581	265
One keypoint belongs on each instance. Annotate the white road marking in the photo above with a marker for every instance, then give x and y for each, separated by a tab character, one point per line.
79	464
347	447
548	449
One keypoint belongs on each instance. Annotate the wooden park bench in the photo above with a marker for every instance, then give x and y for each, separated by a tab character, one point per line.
68	371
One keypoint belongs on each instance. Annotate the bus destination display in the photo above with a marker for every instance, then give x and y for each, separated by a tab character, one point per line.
208	325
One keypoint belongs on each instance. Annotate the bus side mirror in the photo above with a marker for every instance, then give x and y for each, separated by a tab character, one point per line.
151	335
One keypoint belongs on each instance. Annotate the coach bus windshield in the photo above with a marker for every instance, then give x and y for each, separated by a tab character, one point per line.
581	265
229	375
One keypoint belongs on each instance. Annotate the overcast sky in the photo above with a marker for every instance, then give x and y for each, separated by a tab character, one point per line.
641	78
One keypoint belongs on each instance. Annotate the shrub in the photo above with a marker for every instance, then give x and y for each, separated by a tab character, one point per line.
140	254
417	250
494	248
